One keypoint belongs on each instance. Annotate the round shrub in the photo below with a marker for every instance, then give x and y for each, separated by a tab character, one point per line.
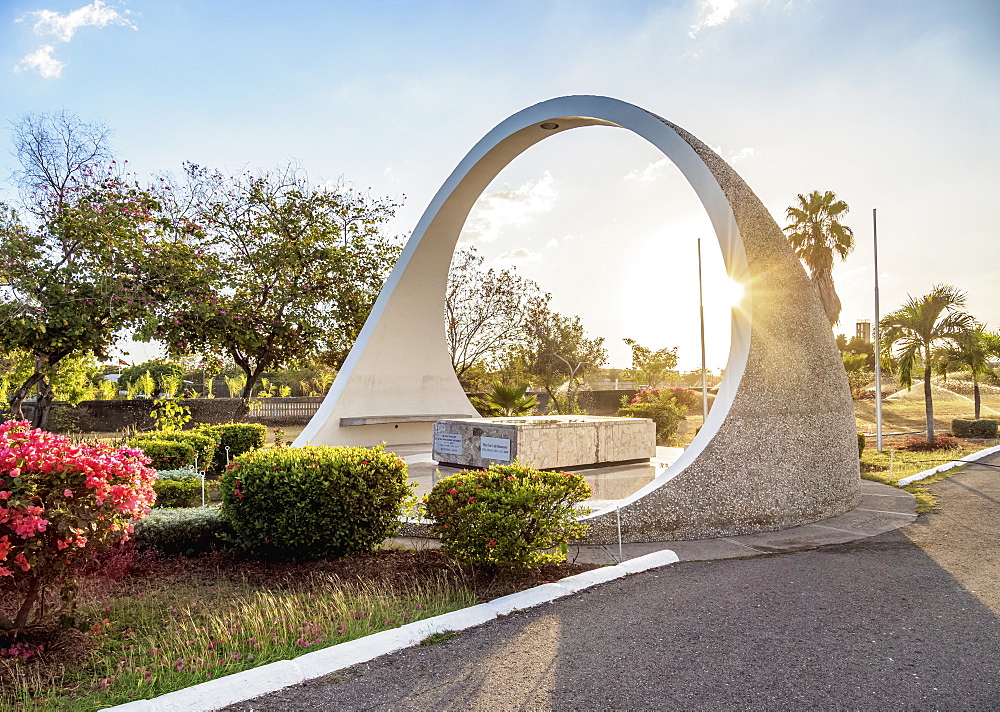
203	446
177	493
238	437
313	502
861	443
660	405
507	515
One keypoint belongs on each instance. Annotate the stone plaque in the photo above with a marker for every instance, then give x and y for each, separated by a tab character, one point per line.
494	449
448	443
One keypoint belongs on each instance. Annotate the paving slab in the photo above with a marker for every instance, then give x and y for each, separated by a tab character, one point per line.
808	536
868	522
894	505
711	549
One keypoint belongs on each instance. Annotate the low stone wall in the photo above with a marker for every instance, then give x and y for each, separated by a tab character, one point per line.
114	415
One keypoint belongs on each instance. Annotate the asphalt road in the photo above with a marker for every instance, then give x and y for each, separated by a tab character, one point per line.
902	621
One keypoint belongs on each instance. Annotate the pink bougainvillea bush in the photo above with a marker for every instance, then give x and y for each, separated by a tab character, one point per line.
61	504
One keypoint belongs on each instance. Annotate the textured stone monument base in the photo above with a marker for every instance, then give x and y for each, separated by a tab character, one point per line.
545	442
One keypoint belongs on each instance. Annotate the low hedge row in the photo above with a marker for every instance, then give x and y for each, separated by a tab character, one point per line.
967	428
207	443
187	532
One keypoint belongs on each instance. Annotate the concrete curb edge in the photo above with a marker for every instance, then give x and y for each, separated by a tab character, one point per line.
948	465
218	693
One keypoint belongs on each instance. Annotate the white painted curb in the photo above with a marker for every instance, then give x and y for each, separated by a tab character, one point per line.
948	465
257	681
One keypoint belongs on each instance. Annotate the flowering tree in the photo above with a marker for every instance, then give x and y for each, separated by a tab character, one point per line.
60	505
296	269
91	257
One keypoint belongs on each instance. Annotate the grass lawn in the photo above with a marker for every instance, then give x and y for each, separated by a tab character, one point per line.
891	465
904	412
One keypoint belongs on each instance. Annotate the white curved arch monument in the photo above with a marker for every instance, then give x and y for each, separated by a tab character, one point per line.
779	447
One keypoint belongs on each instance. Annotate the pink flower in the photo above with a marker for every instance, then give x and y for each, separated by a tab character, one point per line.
68	493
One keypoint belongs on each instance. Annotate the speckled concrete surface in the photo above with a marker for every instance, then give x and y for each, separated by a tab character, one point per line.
787	452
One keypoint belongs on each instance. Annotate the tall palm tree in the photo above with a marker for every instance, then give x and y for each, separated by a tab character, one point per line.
970	352
817	234
911	334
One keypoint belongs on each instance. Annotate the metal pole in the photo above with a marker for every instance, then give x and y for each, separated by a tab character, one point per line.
618	513
701	316
878	345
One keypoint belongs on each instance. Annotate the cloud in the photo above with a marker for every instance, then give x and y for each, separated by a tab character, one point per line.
649	173
713	14
509	207
513	257
63	27
555	242
745	152
43	62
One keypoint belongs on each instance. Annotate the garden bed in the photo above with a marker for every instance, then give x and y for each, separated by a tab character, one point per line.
149	624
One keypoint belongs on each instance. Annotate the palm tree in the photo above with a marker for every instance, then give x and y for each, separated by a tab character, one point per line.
507	401
816	235
970	352
913	332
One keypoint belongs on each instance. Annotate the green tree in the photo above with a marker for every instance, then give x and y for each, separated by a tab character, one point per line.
557	355
485	312
970	351
912	334
94	257
650	368
817	235
295	269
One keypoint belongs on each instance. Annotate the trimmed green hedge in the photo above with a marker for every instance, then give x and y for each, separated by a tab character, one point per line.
314	502
238	437
203	446
861	443
178	493
982	428
189	532
166	454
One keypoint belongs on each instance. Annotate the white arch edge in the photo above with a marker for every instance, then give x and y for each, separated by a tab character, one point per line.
594	110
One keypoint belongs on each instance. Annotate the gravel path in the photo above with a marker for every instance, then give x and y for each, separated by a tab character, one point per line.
903	621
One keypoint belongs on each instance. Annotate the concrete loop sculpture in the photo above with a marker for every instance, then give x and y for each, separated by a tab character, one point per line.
779	446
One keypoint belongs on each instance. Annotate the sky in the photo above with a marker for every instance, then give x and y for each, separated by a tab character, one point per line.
891	104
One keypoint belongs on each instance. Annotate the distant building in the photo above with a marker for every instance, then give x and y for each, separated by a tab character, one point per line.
863	330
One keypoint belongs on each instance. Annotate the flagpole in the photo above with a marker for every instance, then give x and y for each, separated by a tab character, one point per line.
878	345
701	316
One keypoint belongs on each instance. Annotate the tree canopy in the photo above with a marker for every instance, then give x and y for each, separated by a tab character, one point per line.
291	270
650	368
556	355
485	311
96	257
